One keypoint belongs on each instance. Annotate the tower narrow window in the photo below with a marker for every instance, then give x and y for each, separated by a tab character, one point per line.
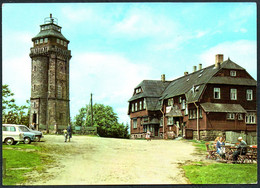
34	68
45	40
58	41
61	42
140	105
36	41
59	91
34	87
41	41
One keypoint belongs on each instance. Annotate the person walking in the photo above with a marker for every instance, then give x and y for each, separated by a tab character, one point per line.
69	130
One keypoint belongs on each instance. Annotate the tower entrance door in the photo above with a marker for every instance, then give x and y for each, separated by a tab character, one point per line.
34	118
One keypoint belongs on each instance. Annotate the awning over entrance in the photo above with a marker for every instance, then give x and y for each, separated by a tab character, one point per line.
173	111
218	107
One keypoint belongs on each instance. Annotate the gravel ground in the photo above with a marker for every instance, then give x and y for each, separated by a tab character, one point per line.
98	161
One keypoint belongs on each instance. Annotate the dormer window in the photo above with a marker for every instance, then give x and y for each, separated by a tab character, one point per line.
138	90
233	73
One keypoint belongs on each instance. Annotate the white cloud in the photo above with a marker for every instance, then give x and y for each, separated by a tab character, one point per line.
110	77
17	74
242	52
141	22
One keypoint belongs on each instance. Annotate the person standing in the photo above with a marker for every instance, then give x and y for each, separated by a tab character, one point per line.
69	130
65	132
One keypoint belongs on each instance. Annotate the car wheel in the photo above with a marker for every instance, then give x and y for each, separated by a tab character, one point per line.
9	141
37	138
27	140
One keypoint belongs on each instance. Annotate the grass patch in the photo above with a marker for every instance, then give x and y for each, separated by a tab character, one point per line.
200	146
20	159
221	173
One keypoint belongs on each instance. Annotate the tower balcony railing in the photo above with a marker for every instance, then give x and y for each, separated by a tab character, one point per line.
46	49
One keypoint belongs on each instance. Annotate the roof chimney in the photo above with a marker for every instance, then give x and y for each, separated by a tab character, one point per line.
186	73
163	77
218	60
200	66
194	68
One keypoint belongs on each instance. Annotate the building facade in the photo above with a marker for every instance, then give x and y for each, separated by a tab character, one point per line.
212	101
50	109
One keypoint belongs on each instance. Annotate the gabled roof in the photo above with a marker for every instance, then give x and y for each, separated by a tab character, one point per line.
191	85
150	88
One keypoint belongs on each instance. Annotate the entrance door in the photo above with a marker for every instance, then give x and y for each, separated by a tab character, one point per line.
156	130
34	118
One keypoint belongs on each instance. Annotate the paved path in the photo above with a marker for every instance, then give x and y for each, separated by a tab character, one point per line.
94	160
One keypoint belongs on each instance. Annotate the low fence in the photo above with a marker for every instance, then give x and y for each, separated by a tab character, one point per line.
85	130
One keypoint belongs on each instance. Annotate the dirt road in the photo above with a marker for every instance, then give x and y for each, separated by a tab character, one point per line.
93	160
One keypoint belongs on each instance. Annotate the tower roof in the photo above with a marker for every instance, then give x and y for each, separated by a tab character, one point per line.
50	28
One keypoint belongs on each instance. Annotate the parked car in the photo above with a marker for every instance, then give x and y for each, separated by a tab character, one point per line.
38	134
16	133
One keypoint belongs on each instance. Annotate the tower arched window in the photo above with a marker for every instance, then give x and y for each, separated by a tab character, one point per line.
45	40
58	41
34	68
41	41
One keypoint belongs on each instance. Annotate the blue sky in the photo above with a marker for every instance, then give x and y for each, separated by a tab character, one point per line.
115	46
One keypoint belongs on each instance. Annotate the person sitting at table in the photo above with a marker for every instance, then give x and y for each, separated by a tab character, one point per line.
221	150
241	149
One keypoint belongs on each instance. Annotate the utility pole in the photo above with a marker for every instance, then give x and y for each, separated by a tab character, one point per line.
91	109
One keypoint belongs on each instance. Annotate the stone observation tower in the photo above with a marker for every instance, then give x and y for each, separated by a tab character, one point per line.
50	109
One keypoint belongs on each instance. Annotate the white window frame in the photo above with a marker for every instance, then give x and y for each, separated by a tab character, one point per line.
250	118
194	113
37	41
216	90
200	112
133	107
183	106
136	106
233	73
144	104
169	120
45	40
134	123
231	116
249	94
170	102
233	94
186	108
140	105
41	41
240	116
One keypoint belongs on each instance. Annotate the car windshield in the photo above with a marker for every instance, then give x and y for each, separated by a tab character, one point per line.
24	129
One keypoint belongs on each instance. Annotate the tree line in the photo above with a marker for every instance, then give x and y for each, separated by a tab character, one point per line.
104	118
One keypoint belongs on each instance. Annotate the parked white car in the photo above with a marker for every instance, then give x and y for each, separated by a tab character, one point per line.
16	133
11	134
